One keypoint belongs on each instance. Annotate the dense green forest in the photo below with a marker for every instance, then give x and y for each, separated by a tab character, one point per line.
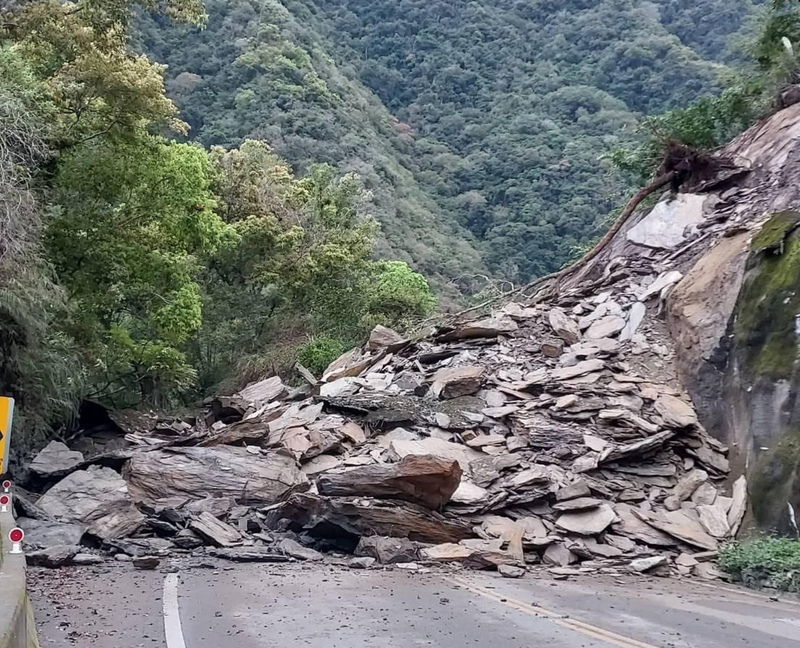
479	127
292	177
138	268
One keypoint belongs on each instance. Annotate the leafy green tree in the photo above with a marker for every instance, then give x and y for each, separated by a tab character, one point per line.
129	221
39	365
299	273
477	128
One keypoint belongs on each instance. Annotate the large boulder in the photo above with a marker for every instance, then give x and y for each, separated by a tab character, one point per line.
420	479
254	480
348	519
41	534
97	497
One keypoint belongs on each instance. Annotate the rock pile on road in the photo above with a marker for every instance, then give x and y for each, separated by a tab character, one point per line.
554	433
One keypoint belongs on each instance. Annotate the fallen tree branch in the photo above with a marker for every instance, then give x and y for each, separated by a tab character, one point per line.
633	203
559	275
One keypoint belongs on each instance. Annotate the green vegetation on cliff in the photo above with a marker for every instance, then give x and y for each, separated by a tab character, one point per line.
766	347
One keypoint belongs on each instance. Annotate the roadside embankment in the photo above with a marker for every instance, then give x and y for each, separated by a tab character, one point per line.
17	628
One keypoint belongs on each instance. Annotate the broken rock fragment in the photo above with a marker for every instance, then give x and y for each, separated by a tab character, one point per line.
41	534
579	369
605	327
564	326
738	505
680	526
675	411
646	564
485	328
388	551
474	553
52	557
589	522
351	518
382	337
264	391
55	460
452	382
215	531
300	552
574	490
714	520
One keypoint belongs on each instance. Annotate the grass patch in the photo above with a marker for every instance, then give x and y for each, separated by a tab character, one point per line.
769	561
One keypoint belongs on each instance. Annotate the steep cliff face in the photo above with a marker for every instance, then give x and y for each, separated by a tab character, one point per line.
731	321
735	317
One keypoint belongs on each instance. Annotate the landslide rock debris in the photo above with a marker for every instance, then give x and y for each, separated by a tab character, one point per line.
473	446
553	430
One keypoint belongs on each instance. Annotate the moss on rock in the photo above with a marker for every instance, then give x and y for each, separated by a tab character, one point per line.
766	316
775	230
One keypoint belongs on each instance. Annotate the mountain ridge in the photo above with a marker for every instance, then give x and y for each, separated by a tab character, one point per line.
478	128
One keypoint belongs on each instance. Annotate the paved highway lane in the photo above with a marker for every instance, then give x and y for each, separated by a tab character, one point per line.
287	606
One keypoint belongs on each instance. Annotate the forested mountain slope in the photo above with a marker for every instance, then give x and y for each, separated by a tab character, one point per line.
478	126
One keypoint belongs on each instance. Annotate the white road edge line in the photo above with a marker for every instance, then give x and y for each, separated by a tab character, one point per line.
172	615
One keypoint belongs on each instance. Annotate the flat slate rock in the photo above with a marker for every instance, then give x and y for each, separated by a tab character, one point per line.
300	552
53	557
589	522
41	534
250	554
574	490
675	411
382	337
680	526
219	471
579	369
605	327
664	227
564	326
215	531
486	327
738	505
264	391
388	551
577	504
714	520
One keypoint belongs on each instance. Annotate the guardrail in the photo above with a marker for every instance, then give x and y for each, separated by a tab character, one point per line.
17	628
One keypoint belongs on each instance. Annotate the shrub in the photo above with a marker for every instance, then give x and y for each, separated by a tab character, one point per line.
319	352
769	559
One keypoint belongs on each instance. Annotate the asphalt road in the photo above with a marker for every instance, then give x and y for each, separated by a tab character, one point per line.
287	606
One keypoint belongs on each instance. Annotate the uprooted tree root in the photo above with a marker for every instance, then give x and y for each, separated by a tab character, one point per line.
692	166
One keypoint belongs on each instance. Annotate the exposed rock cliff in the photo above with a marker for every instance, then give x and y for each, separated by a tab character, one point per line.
732	319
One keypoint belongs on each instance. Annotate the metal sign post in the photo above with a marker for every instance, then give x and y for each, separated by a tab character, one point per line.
6	415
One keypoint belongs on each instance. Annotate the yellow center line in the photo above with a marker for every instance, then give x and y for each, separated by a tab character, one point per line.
573	624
